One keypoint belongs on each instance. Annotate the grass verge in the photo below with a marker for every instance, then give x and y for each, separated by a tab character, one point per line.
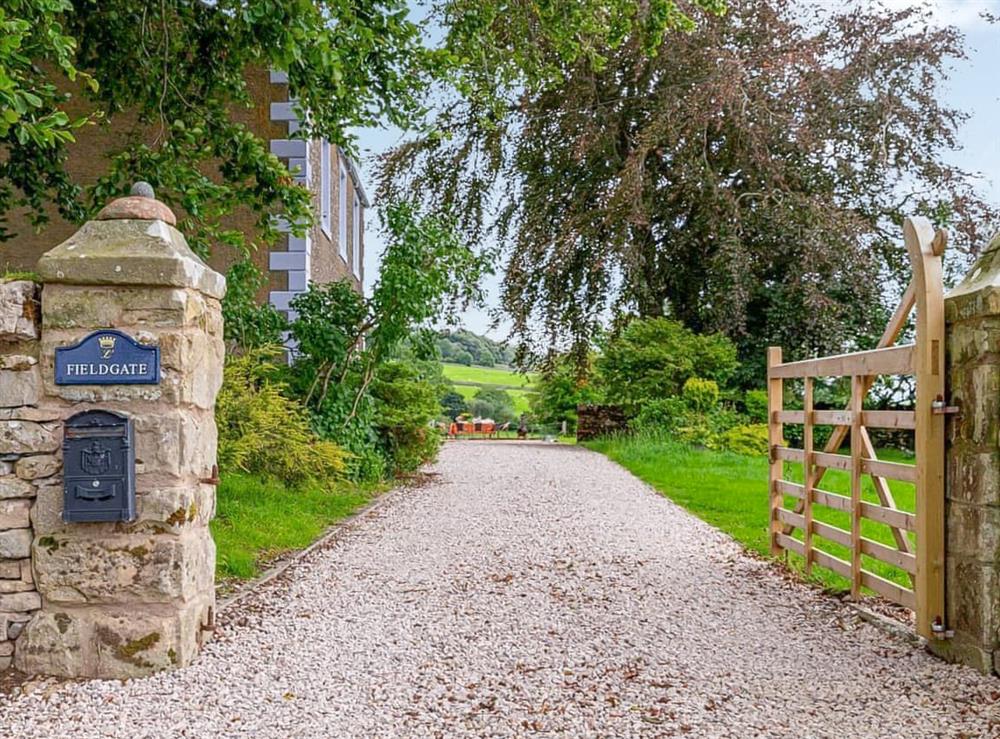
729	491
258	520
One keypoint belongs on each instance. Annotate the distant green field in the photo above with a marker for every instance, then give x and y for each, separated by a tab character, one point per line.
522	398
469	380
486	376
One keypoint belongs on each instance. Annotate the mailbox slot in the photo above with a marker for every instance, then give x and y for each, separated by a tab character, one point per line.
98	468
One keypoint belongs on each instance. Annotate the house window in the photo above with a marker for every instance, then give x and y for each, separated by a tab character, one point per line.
342	191
325	197
356	237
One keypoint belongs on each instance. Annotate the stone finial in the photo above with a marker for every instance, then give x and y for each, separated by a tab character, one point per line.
140	205
143	189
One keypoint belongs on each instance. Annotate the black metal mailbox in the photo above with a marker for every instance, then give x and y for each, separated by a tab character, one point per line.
98	467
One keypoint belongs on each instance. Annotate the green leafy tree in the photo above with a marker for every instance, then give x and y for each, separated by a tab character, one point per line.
248	323
652	358
493	403
749	177
461	356
343	339
560	390
453	404
34	127
454	345
172	75
405	404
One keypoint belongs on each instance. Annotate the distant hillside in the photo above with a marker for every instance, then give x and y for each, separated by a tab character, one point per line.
465	347
467	381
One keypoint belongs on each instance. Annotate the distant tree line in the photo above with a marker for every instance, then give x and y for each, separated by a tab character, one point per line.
464	347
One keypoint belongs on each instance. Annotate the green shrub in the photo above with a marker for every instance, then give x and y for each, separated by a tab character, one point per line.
653	357
406	404
559	391
755	402
366	465
489	402
701	396
697	432
749	439
665	414
262	431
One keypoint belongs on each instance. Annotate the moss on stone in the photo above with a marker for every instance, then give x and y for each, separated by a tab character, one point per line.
14	276
49	543
139	552
178	517
62	622
130	650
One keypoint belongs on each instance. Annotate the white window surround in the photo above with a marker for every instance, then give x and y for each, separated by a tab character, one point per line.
356	237
342	192
325	190
295	260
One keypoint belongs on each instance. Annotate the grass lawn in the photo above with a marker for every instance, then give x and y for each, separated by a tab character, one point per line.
729	491
505	378
257	520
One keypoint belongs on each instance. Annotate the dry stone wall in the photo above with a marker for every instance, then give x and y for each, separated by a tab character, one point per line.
27	461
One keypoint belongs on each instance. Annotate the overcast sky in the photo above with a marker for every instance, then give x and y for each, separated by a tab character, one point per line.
974	87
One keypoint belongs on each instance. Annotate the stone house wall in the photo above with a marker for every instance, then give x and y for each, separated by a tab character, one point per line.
290	264
27	459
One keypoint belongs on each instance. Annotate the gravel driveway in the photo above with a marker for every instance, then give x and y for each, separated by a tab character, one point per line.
531	589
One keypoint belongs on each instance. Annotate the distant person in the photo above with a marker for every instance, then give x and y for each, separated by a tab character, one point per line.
522	427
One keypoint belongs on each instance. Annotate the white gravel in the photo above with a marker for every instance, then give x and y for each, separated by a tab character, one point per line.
531	590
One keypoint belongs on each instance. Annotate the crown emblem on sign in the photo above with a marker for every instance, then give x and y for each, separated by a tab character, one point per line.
107	345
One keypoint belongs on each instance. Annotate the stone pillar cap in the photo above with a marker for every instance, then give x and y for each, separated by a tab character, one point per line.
140	205
132	241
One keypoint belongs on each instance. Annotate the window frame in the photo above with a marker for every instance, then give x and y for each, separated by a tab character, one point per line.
325	190
342	203
356	237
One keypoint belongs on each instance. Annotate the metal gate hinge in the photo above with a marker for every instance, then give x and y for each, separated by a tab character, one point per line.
940	631
939	408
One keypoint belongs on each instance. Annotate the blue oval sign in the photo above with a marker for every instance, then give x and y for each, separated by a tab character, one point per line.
108	357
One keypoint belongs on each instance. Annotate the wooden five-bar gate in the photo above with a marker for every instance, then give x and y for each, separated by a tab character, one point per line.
924	360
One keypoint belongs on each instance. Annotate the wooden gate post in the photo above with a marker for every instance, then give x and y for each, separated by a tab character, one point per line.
925	257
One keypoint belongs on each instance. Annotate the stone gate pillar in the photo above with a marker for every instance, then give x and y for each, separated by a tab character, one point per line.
972	313
127	598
